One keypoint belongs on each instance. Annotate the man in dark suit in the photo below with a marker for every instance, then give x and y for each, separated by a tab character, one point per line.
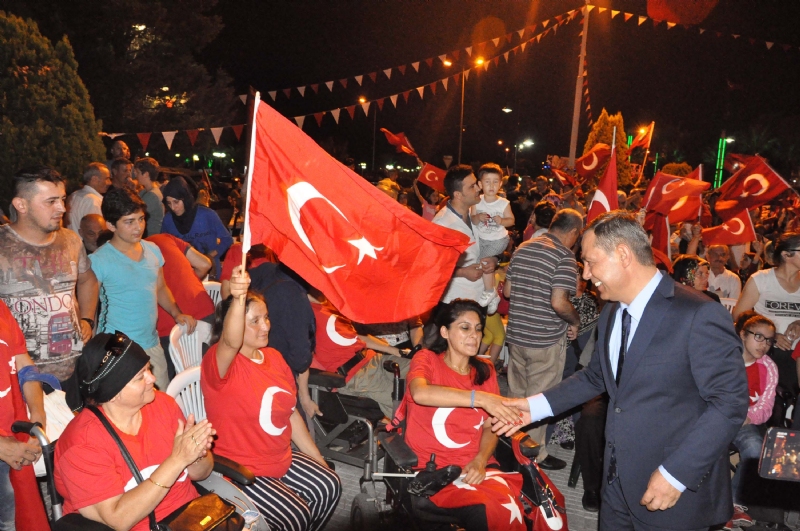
672	366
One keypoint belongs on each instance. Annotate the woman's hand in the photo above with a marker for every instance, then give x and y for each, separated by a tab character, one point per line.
18	454
783	342
240	282
493	405
310	407
474	471
192	441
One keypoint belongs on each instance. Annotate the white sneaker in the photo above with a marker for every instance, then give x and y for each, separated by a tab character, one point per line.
493	304
486	297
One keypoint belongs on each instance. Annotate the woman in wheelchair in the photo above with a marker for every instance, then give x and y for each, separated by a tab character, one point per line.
91	474
452	395
250	396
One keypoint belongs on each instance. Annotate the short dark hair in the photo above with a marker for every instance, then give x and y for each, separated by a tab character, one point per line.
454	179
787	242
567	220
120	202
24	180
445	316
148	165
618	226
120	161
544	211
95	169
490	167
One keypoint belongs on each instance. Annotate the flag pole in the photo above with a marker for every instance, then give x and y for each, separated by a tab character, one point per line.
646	153
576	107
246	243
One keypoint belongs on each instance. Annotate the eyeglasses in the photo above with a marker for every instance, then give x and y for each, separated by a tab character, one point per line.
115	349
760	338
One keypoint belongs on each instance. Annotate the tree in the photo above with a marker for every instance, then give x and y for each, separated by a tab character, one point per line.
678	169
45	113
603	132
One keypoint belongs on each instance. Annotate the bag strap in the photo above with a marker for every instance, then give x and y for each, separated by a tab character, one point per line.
127	457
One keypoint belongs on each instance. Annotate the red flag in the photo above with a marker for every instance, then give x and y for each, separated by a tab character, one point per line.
400	142
644	137
752	186
735	161
432	176
605	197
374	259
498	493
564	178
588	165
668	191
661	234
737	229
192	134
144	139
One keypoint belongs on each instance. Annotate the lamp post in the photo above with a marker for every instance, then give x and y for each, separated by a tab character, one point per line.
478	62
721	148
518	147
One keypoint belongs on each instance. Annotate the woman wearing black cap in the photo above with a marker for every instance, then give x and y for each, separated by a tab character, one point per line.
91	474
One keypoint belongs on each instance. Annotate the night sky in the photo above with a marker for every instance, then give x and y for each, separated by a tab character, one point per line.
693	86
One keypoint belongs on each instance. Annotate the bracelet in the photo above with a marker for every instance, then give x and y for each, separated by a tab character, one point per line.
472	399
90	321
157	484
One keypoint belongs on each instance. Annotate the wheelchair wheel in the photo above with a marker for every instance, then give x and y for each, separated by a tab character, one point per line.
364	514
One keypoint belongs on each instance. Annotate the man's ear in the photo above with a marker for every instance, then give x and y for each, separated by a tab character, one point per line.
624	254
20	204
111	227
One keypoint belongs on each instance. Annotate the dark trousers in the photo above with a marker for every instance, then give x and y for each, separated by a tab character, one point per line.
615	515
590	440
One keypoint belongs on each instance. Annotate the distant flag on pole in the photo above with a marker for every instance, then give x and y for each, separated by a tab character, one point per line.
400	142
643	137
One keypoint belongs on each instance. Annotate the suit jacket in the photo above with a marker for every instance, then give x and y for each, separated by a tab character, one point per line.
681	399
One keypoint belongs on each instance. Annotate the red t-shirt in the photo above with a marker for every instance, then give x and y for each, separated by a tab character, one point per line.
234	258
90	467
337	340
12	343
187	289
753	383
253	431
453	434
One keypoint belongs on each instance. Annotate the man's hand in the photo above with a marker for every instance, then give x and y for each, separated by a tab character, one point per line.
793	331
86	331
572	332
488	265
501	428
660	494
188	321
473	272
19	454
310	407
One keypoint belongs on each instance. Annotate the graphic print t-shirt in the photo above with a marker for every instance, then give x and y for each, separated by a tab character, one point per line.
37	283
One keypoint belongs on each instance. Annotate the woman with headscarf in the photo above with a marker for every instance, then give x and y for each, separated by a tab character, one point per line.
691	270
194	223
170	452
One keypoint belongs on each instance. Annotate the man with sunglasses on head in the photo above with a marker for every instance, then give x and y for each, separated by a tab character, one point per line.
132	280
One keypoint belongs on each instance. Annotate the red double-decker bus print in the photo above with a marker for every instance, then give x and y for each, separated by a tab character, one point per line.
59	331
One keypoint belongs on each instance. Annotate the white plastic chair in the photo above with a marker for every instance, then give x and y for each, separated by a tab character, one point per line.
187	350
185	389
728	303
214	290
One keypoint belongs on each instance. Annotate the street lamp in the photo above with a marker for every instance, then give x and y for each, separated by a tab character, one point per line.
479	61
447	62
721	148
362	99
506	109
519	147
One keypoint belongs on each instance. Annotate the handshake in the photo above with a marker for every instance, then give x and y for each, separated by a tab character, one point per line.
509	415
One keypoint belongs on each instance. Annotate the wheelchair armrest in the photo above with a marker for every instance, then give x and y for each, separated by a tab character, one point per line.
528	447
329	380
397	449
233	470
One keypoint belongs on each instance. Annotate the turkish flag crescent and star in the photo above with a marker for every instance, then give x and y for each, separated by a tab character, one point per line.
605	197
593	160
668	192
432	176
502	509
399	141
752	186
737	229
375	260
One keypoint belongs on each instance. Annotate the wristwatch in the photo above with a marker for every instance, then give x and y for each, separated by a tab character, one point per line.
90	321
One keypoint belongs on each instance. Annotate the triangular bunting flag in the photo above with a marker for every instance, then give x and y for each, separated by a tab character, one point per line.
373	76
456	78
655	22
786	47
144	139
168	138
243	97
589	7
702	30
486	65
509	36
237	130
559	18
718	33
538	39
456	54
444	82
496	60
496	42
343	82
443	58
380	103
388	73
415	66
521	32
599	9
192	134
555	29
365	107
302	91
670	25
433	87
287	92
614	13
641	20
217	132
335	114
359	79
505	56
769	45
627	16
429	62
523	45
546	22
402	69
393	99
351	110
466	74
299	121
736	36
468	49
315	88
329	84
272	94
421	90
405	95
752	40
318	117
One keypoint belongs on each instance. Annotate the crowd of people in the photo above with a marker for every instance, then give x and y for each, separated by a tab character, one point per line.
91	285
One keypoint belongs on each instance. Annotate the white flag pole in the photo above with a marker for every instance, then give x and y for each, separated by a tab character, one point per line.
246	241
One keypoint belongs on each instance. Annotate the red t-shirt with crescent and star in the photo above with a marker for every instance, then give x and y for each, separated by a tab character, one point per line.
250	409
90	467
12	344
337	340
453	434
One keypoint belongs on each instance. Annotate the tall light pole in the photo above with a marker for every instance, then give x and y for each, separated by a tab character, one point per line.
576	108
461	120
721	148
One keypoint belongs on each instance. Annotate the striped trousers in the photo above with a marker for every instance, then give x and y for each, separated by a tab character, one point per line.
303	499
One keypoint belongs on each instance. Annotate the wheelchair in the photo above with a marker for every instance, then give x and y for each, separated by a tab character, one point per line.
216	483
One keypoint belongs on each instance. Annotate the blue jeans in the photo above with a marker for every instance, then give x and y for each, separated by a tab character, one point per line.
748	441
7	511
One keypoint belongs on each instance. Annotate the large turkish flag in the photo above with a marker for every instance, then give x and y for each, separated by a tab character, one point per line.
666	192
737	229
374	259
605	197
752	186
590	163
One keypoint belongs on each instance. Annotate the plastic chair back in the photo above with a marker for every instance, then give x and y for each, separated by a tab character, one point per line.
186	350
214	290
185	389
728	303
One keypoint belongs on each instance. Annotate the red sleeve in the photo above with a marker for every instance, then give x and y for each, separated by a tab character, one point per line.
16	340
180	244
209	372
232	259
796	352
421	366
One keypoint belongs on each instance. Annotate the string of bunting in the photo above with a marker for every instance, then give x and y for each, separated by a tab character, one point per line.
587	102
169	136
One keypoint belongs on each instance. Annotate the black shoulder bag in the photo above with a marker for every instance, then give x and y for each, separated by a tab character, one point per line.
207	512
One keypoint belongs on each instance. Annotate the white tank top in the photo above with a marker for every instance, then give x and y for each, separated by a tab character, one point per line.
774	301
489	230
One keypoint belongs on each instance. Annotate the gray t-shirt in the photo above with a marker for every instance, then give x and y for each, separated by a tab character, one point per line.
155	209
